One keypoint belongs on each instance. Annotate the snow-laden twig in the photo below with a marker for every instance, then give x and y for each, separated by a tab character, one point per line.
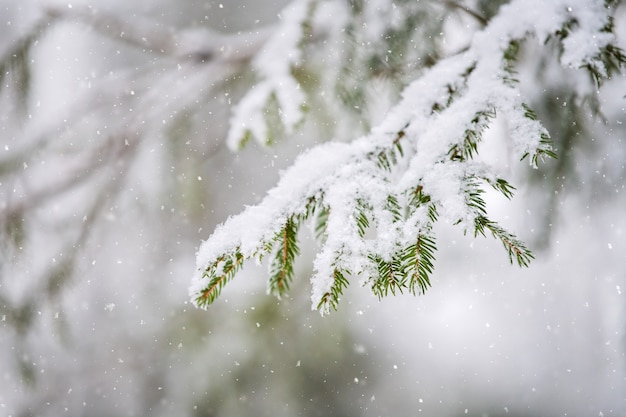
379	196
274	64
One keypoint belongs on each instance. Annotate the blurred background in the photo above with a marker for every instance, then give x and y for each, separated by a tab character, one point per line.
113	169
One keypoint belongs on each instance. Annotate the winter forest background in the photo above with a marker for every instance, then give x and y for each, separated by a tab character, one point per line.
118	158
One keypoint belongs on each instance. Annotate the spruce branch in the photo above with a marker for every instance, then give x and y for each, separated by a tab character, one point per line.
473	196
360	217
502	185
472	137
219	273
321	223
419	198
331	298
418	260
510	57
387	158
278	88
515	248
544	150
383	193
545	147
390	277
610	61
394	207
286	250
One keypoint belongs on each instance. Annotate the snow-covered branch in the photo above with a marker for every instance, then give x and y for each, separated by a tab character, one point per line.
378	197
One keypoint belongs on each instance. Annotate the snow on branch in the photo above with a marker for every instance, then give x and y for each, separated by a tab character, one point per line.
373	202
274	64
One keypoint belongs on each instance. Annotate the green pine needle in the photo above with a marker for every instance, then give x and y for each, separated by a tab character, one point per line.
285	251
394	207
503	186
419	198
468	149
515	248
219	273
545	149
321	223
390	276
331	298
418	262
360	217
510	58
